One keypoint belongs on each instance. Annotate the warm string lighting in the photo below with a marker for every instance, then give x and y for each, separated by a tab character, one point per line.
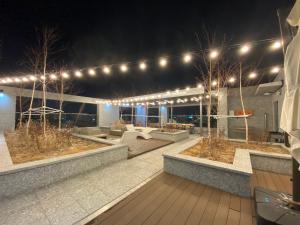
163	62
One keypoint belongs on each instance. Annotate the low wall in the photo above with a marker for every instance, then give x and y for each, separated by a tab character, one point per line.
277	163
170	136
27	176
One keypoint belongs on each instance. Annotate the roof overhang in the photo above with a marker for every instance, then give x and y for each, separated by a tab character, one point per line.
268	88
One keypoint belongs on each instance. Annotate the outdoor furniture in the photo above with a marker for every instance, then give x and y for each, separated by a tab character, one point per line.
101	136
145	135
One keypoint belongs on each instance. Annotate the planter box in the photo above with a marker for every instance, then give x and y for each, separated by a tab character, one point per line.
27	176
233	178
170	136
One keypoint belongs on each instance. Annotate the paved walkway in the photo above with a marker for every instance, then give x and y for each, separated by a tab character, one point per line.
74	199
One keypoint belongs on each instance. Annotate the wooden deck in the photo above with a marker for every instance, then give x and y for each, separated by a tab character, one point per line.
169	199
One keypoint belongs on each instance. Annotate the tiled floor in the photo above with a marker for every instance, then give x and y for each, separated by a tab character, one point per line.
73	199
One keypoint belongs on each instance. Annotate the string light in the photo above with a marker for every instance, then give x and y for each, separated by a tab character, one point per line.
43	77
245	49
199	86
163	62
214	83
65	75
275	69
187	58
78	73
276	45
187	88
143	66
252	75
17	80
25	79
53	76
231	80
106	70
33	78
123	68
213	54
92	72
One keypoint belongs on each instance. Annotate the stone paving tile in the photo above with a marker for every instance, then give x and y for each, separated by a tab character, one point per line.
25	216
93	202
18	202
67	215
56	203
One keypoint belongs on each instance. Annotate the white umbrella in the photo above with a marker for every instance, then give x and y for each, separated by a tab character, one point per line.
290	116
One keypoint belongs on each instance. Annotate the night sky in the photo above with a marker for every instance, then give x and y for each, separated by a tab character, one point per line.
107	32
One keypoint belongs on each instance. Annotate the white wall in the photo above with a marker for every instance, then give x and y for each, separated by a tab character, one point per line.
7	111
108	115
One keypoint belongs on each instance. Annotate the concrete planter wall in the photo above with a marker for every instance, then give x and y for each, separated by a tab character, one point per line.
25	177
233	178
170	136
277	163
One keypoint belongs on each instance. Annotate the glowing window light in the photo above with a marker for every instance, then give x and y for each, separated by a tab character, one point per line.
78	73
252	75
187	58
25	79
143	66
213	54
163	62
276	45
106	70
53	76
92	72
33	78
65	75
275	69
214	83
245	49
231	80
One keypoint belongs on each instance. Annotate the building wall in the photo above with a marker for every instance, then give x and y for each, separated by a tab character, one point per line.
7	111
260	105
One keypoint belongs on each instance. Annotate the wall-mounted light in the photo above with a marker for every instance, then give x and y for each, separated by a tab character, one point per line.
1	93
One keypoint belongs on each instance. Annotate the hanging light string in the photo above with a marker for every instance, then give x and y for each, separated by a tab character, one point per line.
142	65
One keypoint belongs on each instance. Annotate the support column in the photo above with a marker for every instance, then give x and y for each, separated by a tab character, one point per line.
163	115
7	111
222	123
108	115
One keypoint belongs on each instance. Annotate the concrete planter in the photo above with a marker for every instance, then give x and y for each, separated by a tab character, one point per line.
27	176
233	178
170	136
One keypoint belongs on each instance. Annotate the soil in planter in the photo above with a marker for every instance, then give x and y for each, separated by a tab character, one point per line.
20	153
169	130
223	150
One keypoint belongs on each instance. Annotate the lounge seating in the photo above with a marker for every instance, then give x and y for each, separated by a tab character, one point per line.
141	133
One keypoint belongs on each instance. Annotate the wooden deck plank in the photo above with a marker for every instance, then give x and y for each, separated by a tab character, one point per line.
130	198
169	199
199	208
141	217
223	209
233	217
144	197
178	205
235	202
163	208
246	211
210	211
184	213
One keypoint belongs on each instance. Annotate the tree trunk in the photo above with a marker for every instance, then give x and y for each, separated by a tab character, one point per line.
30	108
60	103
209	101
243	107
